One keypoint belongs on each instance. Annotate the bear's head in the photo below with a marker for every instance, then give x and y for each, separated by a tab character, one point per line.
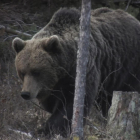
37	65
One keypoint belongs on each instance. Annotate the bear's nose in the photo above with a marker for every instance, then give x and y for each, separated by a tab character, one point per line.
25	95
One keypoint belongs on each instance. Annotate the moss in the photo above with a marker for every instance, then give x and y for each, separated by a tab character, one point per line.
92	138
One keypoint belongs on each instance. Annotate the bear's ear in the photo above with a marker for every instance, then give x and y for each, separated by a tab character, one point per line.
18	44
52	45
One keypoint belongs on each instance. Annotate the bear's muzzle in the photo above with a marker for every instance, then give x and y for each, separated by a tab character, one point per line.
26	95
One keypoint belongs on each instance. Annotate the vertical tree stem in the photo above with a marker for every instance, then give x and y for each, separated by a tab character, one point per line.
82	60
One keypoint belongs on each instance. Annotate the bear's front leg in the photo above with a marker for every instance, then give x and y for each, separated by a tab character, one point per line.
59	122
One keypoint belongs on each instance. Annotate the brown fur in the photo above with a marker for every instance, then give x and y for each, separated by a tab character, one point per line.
47	63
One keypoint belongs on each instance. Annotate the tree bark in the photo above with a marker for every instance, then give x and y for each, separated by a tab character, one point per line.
124	116
82	60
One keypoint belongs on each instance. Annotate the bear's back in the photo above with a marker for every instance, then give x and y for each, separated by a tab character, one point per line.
67	20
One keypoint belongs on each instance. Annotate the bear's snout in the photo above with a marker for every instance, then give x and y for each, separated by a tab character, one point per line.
26	95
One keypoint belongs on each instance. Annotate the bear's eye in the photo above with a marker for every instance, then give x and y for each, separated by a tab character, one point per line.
35	72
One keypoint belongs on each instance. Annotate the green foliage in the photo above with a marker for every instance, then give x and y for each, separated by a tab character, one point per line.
122	5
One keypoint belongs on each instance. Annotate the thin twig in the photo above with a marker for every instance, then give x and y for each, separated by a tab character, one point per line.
38	106
127	5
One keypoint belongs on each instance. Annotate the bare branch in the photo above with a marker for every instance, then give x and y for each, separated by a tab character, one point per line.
9	30
127	5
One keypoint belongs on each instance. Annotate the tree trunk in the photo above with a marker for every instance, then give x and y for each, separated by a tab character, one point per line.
82	60
124	116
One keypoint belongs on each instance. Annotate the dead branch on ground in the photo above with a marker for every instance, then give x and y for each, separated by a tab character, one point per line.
12	31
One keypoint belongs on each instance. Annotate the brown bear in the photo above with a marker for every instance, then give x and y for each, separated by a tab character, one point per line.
46	64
